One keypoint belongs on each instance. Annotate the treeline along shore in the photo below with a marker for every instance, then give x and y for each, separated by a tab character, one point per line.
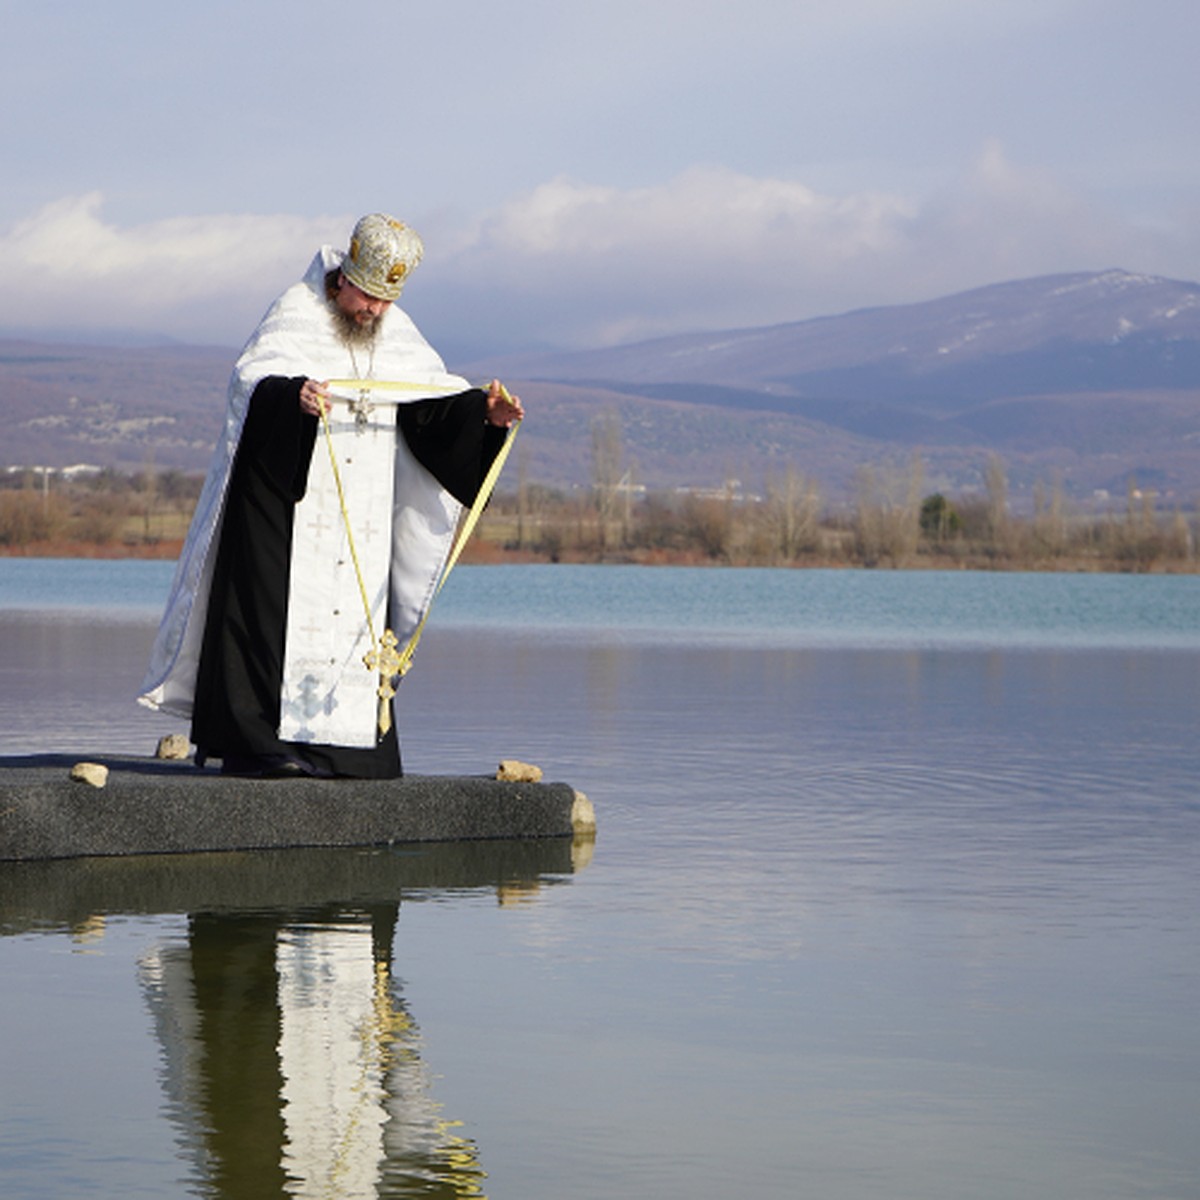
892	522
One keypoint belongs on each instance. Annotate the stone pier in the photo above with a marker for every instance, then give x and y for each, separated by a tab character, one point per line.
50	810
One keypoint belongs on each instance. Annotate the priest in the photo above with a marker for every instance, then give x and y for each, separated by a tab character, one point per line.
344	461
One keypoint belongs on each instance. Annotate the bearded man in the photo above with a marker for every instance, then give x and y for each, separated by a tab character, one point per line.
328	513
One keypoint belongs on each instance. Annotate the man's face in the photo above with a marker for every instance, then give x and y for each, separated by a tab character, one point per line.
362	309
357	314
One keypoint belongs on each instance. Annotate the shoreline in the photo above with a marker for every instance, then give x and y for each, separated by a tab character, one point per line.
491	554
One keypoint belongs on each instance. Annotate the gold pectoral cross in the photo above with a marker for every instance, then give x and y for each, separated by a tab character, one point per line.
384	659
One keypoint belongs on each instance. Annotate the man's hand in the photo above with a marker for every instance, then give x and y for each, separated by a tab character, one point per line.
503	409
314	397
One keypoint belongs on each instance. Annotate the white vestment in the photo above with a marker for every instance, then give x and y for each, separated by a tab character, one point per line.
403	523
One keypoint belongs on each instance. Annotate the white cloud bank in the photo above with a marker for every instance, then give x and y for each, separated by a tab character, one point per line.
573	264
202	278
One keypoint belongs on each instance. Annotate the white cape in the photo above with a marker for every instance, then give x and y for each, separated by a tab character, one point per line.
329	704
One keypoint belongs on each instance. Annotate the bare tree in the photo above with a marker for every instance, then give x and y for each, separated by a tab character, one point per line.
522	497
1139	540
995	482
607	456
1181	544
1050	519
888	512
793	511
149	488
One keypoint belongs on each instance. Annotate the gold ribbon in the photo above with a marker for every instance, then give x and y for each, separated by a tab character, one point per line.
383	655
465	529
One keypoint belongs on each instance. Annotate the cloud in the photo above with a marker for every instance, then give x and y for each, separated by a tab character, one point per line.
197	277
709	247
570	263
580	264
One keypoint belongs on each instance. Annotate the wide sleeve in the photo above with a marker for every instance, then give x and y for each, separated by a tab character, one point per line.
451	438
279	436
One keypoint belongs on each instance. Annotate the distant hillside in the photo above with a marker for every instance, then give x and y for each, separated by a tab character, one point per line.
1094	378
111	406
1065	328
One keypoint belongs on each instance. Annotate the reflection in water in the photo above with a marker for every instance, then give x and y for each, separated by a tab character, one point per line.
292	1066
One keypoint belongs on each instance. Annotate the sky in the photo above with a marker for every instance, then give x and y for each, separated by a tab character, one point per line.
585	174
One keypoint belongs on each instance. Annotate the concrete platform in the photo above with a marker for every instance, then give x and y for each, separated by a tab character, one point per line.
160	806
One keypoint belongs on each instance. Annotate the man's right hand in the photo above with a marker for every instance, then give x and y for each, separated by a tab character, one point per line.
314	397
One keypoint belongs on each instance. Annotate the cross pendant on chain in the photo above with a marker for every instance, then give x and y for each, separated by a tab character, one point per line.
387	661
362	408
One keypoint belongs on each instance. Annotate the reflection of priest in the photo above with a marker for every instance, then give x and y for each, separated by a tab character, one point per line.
292	1067
300	530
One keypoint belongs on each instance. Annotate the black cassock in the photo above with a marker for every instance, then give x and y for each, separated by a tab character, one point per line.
236	710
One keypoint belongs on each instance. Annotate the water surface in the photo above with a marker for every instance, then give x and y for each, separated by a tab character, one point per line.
866	916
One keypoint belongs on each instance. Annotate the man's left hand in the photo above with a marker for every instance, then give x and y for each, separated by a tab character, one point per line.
503	409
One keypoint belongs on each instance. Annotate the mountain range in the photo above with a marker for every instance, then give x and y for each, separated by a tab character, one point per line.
1091	379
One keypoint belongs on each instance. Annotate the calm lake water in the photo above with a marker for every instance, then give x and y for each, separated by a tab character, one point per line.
896	894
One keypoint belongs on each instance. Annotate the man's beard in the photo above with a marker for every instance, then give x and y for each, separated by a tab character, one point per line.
351	331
